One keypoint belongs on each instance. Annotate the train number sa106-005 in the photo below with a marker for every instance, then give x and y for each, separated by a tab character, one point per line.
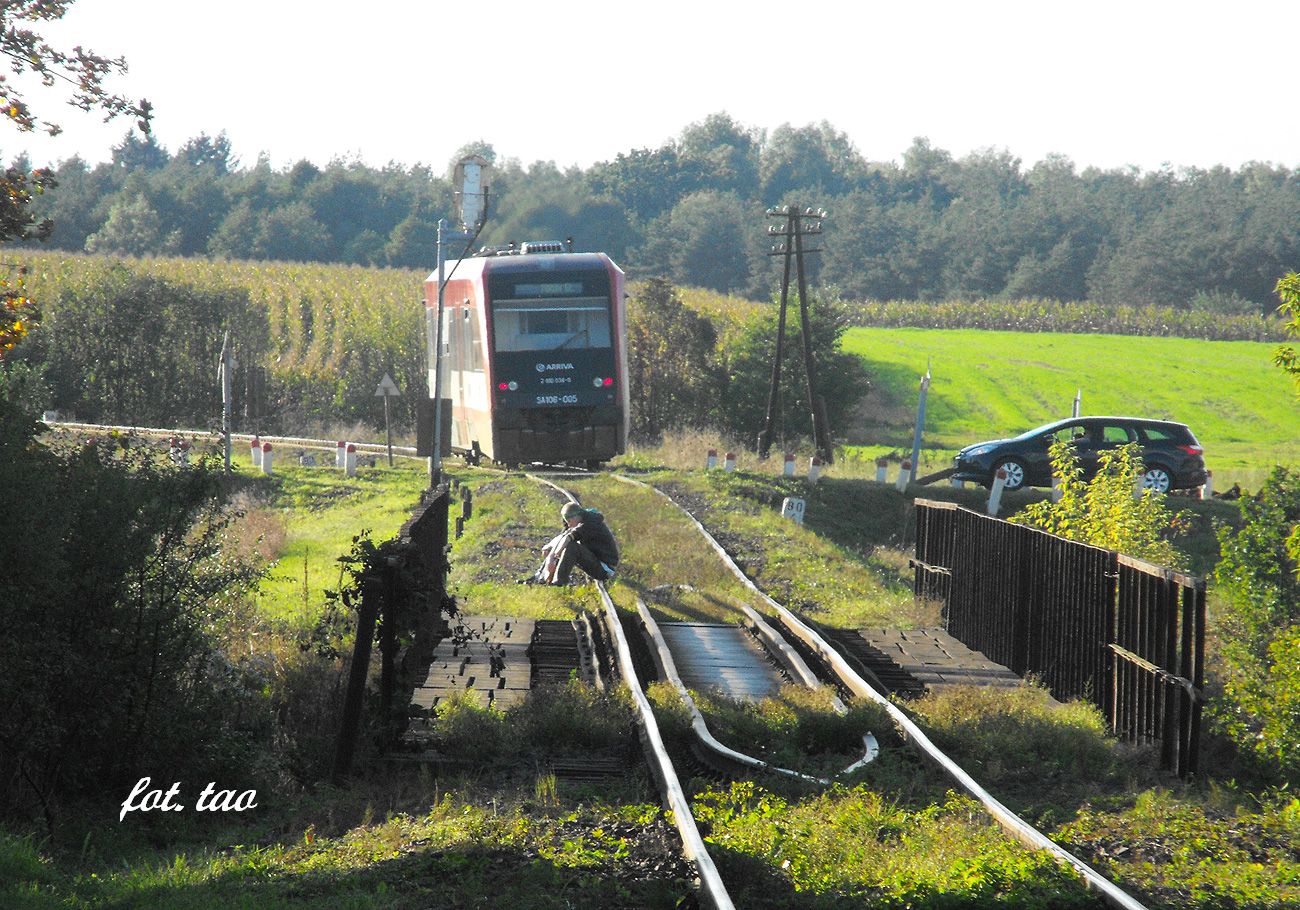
557	399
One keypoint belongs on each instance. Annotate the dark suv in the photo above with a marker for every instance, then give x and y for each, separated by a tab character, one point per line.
1172	459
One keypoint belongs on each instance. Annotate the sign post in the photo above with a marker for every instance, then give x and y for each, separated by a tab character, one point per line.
920	425
387	389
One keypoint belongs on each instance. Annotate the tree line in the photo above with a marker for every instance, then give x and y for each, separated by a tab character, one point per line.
929	227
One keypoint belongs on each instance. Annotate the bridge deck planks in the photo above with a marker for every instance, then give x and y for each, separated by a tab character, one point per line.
934	659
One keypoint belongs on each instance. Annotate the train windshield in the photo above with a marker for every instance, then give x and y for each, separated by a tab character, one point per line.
544	317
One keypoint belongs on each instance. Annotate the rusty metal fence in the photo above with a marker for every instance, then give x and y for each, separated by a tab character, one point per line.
1088	623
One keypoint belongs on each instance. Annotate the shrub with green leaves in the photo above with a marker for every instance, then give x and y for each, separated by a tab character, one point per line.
1110	510
1260	642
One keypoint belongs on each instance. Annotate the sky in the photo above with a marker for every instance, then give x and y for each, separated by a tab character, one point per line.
1143	83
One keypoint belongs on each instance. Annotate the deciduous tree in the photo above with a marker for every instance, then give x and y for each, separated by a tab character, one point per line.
30	56
1288	288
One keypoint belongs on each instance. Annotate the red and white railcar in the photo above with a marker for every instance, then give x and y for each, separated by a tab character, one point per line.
534	355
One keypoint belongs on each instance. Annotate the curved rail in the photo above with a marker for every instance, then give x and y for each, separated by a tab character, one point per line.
1010	822
713	893
718	751
777	645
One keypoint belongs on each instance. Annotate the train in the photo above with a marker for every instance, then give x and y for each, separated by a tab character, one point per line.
534	355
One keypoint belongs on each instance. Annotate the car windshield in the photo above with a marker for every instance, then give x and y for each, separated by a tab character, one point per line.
1030	434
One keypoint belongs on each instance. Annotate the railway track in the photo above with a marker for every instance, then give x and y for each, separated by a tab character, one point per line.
786	637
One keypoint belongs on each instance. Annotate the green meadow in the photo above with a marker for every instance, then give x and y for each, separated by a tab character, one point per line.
312	513
988	385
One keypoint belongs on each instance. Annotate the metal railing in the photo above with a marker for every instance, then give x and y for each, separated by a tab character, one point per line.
1088	623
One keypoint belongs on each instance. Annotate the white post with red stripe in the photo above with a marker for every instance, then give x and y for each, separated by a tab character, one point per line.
995	492
350	460
882	470
266	458
788	470
712	461
814	469
904	475
730	463
255	451
340	454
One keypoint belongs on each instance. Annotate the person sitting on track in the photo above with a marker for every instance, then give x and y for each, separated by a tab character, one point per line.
586	542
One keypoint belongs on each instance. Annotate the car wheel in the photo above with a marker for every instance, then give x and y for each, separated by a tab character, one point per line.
1015	473
1157	479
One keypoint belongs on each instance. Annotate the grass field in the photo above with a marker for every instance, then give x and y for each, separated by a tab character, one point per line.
316	511
988	385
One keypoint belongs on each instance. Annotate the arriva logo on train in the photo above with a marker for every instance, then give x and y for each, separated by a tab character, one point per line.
543	367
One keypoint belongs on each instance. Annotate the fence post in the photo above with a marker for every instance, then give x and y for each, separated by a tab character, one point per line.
360	669
388	640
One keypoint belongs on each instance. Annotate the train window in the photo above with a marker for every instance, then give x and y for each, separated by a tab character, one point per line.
547	325
547	322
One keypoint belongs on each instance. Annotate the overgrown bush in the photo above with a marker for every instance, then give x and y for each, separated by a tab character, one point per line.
1258	633
114	577
1110	510
671	361
842	378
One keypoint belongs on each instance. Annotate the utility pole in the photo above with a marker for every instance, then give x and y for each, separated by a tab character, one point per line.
765	435
471	182
224	369
798	224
